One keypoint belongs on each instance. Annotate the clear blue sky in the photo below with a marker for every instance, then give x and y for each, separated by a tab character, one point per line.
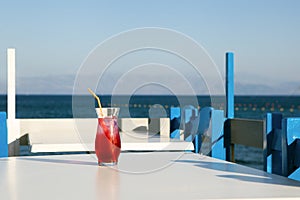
52	38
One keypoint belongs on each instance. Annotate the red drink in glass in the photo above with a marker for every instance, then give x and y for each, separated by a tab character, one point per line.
108	142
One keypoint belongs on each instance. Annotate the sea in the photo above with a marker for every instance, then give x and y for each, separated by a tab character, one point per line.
140	106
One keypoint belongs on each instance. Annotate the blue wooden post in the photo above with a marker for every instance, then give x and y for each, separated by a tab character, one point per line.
175	119
291	148
217	137
3	135
273	153
229	85
197	143
229	113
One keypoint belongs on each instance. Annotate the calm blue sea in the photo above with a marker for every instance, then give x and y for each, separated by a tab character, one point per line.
60	106
253	107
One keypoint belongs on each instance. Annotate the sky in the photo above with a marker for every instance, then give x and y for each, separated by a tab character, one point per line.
54	38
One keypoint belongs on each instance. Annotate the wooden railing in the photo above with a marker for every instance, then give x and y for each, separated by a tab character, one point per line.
278	138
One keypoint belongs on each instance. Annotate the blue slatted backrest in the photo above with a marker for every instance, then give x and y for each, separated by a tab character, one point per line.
204	128
291	147
273	153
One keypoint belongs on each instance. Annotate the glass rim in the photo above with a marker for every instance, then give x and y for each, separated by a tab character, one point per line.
108	108
108	112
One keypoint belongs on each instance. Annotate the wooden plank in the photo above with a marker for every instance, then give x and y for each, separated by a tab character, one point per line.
248	132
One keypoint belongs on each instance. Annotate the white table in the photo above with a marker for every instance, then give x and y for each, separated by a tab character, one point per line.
156	175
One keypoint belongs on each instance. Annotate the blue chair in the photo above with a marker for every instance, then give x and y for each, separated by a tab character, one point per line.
204	129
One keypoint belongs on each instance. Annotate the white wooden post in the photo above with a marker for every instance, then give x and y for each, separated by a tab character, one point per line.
13	128
11	83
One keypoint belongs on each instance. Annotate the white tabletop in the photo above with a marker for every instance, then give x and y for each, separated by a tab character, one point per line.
156	175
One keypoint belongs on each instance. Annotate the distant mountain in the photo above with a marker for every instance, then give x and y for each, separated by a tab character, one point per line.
285	88
63	84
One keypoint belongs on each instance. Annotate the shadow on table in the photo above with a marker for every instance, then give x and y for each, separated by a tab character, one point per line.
60	161
250	175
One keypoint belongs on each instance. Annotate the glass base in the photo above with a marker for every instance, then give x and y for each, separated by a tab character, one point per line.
107	163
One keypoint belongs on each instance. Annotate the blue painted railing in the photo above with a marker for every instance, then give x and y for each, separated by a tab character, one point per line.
282	153
283	136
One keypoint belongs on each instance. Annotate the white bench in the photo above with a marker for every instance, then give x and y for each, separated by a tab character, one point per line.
77	135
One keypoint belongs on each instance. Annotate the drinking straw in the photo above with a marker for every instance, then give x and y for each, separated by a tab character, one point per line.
98	99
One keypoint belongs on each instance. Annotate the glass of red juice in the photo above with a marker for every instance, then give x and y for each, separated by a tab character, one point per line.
108	141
